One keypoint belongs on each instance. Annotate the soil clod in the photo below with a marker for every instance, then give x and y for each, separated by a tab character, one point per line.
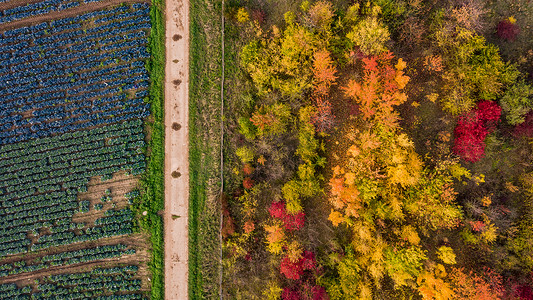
176	126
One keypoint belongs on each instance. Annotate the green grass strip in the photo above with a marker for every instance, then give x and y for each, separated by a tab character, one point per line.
204	147
152	183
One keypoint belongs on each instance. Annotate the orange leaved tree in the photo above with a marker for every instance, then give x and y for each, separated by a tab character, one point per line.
380	88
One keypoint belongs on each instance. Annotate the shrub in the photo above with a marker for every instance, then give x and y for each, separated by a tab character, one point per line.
470	15
526	128
324	71
289	17
521	244
246	154
508	29
271	120
294	251
273	292
291	193
516	102
248	183
247	169
249	226
242	15
380	89
405	264
370	35
474	69
321	14
432	286
228	226
247	128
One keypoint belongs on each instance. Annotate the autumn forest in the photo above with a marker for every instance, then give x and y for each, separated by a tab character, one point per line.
379	150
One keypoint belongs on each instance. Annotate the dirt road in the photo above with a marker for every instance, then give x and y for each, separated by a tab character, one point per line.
176	149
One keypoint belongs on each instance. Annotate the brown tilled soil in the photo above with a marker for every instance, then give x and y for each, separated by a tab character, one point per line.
119	185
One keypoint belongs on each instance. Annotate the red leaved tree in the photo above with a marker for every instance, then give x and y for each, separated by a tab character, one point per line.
247	169
313	292
305	291
472	128
262	121
228	225
290	222
471	286
523	292
248	183
294	270
489	113
507	30
469	138
290	294
525	128
323	118
291	270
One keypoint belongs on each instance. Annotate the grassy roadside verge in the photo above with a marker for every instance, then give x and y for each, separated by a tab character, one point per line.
152	183
204	147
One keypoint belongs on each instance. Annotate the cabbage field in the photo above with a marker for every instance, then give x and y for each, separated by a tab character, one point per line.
74	102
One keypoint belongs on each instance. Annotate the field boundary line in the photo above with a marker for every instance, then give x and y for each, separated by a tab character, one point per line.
221	275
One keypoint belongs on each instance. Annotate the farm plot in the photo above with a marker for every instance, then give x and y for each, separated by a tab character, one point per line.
73	99
83	285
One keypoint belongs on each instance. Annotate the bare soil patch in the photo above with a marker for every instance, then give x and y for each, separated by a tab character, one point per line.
118	186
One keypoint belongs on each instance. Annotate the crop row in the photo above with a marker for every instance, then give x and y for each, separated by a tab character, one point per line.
30	148
68	258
